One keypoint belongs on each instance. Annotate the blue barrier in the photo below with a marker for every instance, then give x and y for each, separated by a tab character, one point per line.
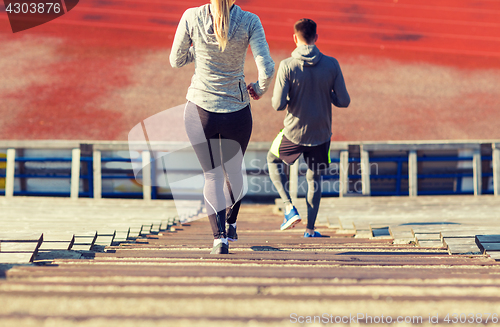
89	177
398	176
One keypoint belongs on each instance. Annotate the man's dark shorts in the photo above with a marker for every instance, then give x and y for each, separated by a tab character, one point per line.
317	157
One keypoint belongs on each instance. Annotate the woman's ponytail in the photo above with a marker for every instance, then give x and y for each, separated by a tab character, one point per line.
221	21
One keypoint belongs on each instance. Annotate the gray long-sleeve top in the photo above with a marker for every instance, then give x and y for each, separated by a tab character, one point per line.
308	83
218	84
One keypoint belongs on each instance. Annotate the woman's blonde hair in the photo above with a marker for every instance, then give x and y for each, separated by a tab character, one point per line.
221	21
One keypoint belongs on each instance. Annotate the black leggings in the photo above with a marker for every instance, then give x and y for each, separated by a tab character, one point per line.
220	141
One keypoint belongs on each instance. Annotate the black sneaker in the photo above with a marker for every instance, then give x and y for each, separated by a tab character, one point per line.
231	234
221	248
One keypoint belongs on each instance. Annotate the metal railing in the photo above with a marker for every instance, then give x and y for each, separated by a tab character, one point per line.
87	168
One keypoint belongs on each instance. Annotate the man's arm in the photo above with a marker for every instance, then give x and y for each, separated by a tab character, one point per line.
281	88
339	95
182	52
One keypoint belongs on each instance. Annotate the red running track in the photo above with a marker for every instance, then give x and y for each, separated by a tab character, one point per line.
87	55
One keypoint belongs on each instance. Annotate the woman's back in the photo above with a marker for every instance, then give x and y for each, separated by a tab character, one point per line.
217	116
218	84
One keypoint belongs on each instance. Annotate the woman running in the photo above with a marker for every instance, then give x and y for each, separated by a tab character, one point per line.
217	116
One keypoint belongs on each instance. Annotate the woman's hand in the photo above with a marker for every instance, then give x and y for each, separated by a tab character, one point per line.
252	92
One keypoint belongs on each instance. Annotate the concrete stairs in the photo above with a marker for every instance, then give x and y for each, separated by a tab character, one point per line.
49	227
270	278
455	223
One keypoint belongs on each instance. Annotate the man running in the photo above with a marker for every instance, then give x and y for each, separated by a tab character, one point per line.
307	84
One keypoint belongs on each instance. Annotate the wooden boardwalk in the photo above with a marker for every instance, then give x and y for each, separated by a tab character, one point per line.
270	278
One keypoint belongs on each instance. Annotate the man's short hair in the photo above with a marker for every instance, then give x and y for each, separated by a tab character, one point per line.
306	29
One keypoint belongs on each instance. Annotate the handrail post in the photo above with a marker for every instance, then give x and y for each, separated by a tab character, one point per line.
477	172
10	171
496	170
365	172
412	173
97	170
75	173
146	175
344	173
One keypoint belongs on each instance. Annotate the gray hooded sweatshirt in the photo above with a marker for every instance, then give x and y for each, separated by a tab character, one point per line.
309	83
218	83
